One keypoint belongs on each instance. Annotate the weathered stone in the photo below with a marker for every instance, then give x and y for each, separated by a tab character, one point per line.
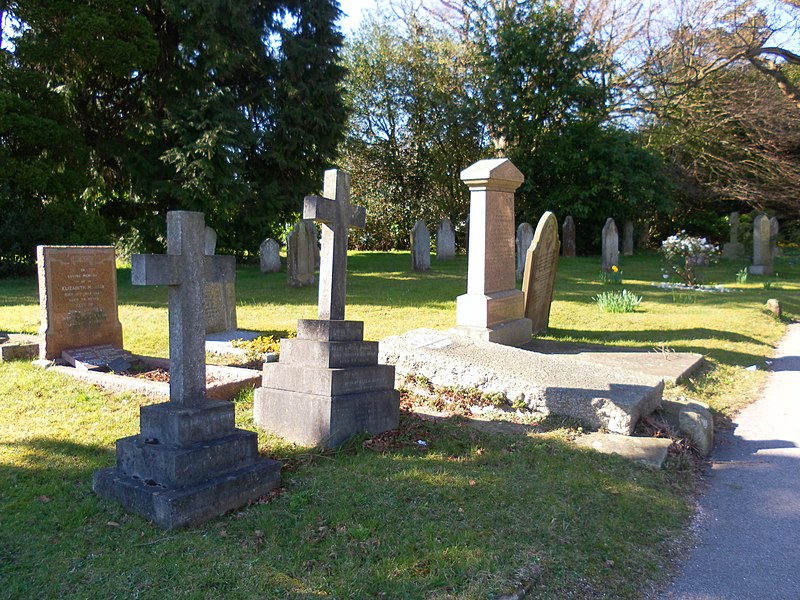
219	294
420	247
445	240
568	235
492	309
269	254
627	238
328	385
693	419
77	298
18	346
209	242
774	306
189	463
598	395
762	247
774	229
301	253
610	245
649	451
733	250
523	243
540	272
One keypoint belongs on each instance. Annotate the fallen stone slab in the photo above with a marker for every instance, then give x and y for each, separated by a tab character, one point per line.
598	395
673	367
649	451
222	383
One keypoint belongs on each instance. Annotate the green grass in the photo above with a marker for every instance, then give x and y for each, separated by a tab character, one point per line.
471	515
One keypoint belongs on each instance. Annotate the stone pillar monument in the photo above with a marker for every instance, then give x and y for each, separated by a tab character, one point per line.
492	309
734	249
762	247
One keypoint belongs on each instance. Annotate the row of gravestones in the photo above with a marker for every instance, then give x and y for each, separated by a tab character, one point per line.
302	254
189	462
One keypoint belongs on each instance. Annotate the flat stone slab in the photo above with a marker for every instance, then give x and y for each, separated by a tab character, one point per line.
221	341
18	346
222	383
649	451
598	395
673	367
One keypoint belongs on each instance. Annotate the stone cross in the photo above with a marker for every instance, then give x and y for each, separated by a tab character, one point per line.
337	216
185	269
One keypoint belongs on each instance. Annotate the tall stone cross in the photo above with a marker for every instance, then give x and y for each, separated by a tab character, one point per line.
337	216
185	269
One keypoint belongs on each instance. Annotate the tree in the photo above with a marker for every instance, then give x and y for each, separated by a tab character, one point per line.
231	108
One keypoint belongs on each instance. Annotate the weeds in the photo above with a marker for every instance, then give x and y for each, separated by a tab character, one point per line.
618	302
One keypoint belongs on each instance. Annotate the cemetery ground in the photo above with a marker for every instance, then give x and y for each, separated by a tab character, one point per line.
466	514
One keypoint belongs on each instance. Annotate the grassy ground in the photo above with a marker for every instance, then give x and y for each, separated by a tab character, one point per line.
470	515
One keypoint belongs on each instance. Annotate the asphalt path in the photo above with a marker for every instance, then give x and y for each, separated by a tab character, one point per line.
748	523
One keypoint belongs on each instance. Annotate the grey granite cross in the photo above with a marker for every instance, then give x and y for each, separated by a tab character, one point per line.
185	269
337	216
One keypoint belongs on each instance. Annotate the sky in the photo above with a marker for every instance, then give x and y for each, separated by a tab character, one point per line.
353	10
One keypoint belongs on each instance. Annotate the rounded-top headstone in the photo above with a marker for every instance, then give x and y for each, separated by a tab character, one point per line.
210	242
445	240
420	247
610	245
269	253
568	235
540	272
523	242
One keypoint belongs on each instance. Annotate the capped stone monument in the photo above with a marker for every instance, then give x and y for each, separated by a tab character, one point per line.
420	247
269	254
523	242
762	247
445	240
492	309
610	245
189	463
328	385
540	272
77	298
568	233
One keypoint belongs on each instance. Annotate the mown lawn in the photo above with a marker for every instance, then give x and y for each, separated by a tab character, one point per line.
469	515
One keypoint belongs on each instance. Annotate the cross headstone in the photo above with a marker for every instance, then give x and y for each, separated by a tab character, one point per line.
337	216
540	272
568	235
445	240
610	245
185	268
420	247
269	254
627	238
762	247
523	242
189	463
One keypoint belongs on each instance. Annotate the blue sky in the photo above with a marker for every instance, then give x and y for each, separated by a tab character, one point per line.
353	10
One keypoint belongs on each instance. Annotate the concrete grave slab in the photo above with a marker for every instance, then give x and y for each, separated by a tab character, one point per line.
649	451
18	346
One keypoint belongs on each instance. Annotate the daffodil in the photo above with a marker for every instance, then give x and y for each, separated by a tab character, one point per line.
615	268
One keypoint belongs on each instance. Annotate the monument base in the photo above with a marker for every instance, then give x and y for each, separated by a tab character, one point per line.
760	270
497	317
327	387
188	465
508	333
733	250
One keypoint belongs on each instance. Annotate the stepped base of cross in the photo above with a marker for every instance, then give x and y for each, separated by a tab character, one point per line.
327	386
188	464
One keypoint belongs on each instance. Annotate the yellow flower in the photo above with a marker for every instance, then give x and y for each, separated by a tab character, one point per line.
615	268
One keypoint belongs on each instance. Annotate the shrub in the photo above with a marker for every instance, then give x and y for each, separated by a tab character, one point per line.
685	256
618	302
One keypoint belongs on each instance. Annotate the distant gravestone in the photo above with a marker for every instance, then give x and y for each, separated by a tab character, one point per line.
301	253
733	249
269	253
77	298
328	385
627	238
493	308
610	245
568	235
522	243
219	293
762	247
420	247
540	272
445	240
189	463
209	242
774	230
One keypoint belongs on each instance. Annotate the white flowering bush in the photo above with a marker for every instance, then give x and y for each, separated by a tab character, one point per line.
685	256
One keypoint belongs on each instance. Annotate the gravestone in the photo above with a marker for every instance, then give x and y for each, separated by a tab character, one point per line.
762	247
734	249
269	253
301	253
77	298
610	245
445	240
189	463
209	241
492	309
420	247
774	230
327	385
627	238
522	243
540	272
219	293
568	233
